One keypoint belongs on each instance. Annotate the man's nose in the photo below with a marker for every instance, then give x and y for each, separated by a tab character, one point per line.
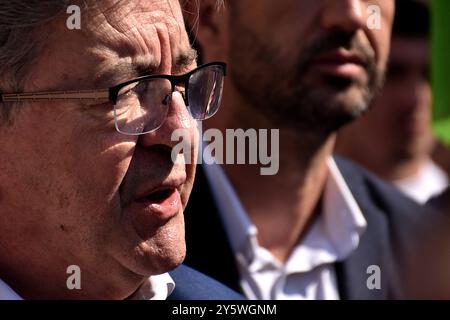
346	15
178	118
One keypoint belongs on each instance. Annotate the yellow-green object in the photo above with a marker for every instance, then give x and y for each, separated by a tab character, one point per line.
440	71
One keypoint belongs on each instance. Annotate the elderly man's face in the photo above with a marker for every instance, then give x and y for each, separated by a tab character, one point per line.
311	64
76	192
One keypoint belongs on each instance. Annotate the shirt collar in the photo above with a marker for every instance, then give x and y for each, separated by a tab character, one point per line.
343	219
333	236
155	288
429	181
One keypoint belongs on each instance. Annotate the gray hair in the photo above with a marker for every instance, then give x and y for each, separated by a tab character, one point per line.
19	41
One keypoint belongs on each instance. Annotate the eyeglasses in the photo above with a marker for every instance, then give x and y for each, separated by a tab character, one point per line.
141	105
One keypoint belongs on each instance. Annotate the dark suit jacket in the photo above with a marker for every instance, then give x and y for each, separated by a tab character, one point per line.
392	222
192	285
441	202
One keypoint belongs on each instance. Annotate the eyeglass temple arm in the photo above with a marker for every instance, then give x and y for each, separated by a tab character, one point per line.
103	95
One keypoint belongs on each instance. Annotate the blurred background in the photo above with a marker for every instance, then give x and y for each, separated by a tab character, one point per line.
403	147
409	133
405	138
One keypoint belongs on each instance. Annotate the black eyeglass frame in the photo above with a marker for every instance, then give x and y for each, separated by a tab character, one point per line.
103	95
174	81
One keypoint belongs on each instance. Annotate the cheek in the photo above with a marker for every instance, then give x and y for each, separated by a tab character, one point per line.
101	164
191	164
89	158
383	48
383	36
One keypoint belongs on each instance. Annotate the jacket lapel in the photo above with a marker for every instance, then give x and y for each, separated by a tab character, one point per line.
208	248
374	248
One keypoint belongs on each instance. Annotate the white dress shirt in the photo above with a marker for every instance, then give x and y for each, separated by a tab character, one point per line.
309	272
156	288
430	181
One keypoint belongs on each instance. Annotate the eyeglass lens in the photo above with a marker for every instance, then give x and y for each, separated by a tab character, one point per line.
142	106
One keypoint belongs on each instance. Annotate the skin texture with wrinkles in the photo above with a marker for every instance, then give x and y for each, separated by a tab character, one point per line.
68	178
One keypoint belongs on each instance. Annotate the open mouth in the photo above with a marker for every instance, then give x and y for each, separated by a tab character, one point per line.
155	205
159	196
160	205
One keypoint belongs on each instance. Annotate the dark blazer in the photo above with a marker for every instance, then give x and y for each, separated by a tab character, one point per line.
392	221
441	202
192	285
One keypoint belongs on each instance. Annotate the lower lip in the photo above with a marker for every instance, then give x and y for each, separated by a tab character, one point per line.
345	70
163	209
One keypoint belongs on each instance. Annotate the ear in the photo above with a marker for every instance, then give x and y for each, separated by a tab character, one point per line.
207	22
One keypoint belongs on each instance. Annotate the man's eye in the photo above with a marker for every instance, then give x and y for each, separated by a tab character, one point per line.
128	90
128	93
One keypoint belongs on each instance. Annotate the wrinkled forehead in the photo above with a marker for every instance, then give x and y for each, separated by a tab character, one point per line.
115	22
118	40
147	28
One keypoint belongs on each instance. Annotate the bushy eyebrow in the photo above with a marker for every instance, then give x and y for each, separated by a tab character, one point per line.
185	59
124	71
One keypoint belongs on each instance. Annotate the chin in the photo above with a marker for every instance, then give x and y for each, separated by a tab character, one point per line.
167	263
165	251
162	251
355	100
163	260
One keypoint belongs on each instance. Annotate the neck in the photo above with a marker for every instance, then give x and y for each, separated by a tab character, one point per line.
283	205
404	170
